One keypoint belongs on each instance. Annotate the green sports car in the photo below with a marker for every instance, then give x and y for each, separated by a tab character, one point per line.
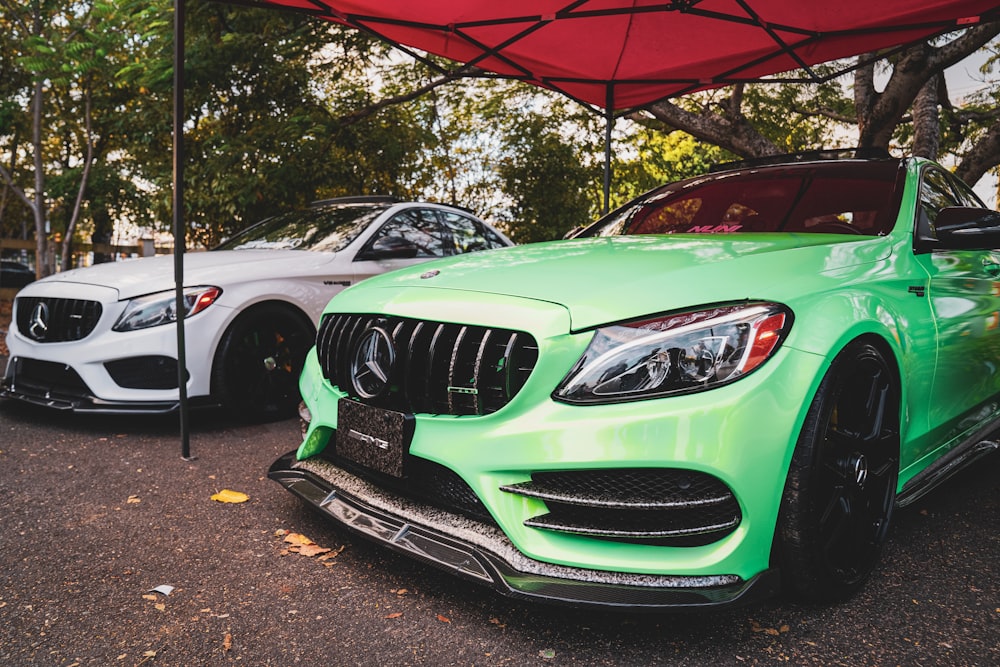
719	391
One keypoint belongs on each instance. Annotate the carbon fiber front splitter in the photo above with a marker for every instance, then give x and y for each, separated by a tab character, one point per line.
482	553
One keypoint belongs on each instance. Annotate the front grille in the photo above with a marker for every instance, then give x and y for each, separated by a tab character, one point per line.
439	368
152	372
664	506
50	320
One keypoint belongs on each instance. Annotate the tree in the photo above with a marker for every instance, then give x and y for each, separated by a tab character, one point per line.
63	57
730	120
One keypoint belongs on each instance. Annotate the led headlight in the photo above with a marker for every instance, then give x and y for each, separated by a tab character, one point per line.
161	308
675	353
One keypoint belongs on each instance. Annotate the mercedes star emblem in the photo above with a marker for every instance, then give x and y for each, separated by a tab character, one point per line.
38	325
372	364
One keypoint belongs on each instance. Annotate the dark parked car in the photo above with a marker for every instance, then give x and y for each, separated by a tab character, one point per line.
15	274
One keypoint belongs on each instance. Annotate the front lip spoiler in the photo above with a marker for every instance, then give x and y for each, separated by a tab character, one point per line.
481	553
88	404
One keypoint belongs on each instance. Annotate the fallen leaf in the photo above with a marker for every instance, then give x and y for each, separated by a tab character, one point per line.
547	653
332	554
149	654
399	591
227	643
229	496
148	597
310	550
394	615
443	619
296	538
160	606
132	500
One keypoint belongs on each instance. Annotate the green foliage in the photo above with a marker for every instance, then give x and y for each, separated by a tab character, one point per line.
282	108
649	158
543	175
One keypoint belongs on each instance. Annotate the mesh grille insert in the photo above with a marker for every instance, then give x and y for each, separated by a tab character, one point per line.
642	505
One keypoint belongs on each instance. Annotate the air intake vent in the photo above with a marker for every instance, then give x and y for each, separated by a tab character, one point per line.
438	368
49	320
663	506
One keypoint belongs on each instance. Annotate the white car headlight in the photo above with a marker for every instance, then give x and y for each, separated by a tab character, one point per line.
675	353
153	310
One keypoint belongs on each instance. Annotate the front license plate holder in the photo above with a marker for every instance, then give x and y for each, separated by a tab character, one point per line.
376	438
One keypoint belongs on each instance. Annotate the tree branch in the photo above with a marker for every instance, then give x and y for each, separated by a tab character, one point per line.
370	110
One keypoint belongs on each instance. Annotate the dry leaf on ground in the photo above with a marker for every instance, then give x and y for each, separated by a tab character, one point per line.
229	496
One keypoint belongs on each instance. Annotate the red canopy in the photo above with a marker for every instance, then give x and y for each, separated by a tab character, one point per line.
621	54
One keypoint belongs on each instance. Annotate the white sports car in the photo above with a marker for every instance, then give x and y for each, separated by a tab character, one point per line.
95	339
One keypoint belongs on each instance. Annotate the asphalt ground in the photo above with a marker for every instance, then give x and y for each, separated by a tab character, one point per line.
97	512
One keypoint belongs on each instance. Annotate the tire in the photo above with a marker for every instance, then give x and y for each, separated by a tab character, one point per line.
838	499
258	362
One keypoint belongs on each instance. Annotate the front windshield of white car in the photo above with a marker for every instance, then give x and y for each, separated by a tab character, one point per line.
327	228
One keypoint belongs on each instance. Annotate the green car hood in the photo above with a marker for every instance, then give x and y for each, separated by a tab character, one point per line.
601	280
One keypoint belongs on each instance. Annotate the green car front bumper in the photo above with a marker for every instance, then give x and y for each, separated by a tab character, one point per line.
739	436
483	554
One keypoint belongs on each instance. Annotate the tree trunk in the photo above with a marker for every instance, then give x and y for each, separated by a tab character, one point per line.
982	157
43	266
926	119
67	242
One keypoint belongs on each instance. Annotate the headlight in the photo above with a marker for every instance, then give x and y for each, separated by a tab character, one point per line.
675	353
153	310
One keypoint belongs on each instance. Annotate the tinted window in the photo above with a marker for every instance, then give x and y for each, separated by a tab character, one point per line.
321	229
935	194
855	198
419	227
965	193
468	234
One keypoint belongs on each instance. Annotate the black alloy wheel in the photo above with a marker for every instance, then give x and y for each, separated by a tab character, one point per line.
258	363
840	492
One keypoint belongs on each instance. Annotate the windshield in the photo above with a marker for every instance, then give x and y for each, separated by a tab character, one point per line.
322	229
842	198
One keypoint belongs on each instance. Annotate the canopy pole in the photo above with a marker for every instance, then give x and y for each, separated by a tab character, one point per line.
609	121
178	224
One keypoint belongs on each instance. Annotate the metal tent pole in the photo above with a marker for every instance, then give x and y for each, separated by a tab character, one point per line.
178	224
609	121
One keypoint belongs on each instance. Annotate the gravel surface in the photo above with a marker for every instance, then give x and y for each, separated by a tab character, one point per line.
96	512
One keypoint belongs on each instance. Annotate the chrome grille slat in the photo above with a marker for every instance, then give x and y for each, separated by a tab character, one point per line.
440	368
453	363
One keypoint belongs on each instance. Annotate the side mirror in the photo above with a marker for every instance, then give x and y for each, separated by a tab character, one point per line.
967	228
389	247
